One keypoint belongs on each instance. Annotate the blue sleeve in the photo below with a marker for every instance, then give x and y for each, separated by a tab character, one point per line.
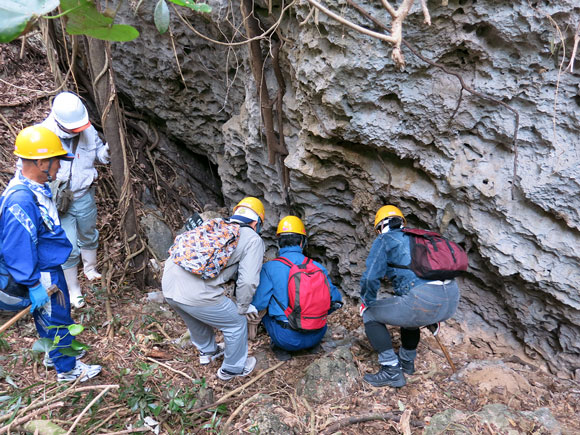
376	268
335	295
264	291
19	222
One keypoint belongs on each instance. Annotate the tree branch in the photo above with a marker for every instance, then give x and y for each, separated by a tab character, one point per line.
352	25
335	427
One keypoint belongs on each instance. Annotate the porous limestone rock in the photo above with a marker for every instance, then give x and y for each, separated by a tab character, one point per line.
361	133
331	377
497	418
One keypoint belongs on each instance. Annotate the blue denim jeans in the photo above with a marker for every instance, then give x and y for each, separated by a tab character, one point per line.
80	225
423	305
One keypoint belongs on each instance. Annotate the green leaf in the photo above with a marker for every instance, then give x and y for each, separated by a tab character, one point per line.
161	16
77	345
202	7
199	7
15	15
9	380
67	351
117	32
42	345
86	20
75	329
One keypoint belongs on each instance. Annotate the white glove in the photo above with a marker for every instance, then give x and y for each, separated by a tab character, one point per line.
103	154
252	313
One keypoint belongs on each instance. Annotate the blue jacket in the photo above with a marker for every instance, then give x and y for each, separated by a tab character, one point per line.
274	282
392	247
30	240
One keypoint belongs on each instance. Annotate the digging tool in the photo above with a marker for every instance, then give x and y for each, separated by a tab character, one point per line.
434	328
50	291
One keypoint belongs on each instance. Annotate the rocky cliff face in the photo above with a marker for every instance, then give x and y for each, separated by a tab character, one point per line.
361	133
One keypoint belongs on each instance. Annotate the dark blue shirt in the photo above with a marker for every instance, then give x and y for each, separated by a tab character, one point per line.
392	247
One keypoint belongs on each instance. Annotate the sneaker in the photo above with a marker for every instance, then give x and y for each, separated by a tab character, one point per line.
434	328
387	375
206	358
408	366
81	369
49	363
226	375
279	353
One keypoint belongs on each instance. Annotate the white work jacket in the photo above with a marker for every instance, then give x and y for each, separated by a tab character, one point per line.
90	149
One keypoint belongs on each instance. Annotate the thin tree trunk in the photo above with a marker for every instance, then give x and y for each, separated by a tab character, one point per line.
105	97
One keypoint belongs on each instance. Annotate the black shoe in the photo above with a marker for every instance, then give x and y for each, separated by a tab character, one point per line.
279	353
314	349
408	366
387	375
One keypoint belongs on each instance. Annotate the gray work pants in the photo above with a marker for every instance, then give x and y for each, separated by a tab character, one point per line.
223	315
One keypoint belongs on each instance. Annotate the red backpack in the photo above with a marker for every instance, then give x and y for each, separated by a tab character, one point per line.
308	295
434	257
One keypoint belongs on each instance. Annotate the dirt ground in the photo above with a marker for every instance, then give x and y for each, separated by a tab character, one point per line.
149	378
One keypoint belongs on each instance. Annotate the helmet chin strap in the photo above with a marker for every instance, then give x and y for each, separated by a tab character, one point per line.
47	171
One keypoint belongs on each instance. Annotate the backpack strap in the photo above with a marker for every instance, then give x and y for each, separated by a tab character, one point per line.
12	190
288	263
284	260
402	266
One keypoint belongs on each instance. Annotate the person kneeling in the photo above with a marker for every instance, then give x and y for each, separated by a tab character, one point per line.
296	313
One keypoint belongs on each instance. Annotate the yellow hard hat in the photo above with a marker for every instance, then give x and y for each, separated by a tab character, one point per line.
38	142
253	204
387	211
291	224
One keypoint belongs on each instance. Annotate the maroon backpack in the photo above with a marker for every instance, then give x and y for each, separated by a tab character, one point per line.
308	296
434	257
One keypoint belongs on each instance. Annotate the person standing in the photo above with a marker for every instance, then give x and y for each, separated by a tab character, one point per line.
69	120
34	245
272	293
203	305
417	302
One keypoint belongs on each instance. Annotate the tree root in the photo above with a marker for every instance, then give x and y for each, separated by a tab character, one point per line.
335	427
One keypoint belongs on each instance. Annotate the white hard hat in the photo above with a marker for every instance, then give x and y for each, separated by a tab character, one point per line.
70	112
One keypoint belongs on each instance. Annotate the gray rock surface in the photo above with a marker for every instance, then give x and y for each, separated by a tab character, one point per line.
272	418
331	377
159	235
497	418
361	133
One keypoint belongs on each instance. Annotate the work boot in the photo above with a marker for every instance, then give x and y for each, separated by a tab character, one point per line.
279	353
89	257
74	287
388	375
408	366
